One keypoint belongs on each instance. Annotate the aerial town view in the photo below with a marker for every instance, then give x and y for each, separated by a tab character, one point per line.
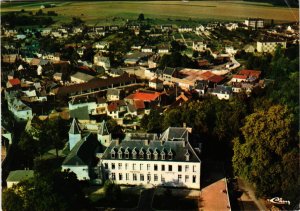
150	105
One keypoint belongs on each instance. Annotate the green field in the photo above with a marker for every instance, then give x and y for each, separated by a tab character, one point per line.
105	12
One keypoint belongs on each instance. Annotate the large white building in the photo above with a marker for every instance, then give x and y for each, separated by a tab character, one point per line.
269	46
141	159
254	22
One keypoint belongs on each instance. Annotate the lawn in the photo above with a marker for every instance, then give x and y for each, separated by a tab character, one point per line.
105	12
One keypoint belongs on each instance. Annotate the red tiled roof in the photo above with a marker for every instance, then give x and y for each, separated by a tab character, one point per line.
250	73
139	104
240	76
216	79
112	107
14	81
144	96
206	75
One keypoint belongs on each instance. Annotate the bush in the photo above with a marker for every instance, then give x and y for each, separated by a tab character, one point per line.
112	191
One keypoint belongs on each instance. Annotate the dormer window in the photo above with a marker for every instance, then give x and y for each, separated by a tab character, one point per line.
155	155
148	154
141	153
113	153
127	153
187	156
170	155
134	153
163	154
120	153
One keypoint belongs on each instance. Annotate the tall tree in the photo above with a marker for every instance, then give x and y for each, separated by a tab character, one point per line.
260	155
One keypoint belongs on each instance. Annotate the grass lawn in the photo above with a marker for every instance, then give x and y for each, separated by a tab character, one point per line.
105	12
171	202
129	199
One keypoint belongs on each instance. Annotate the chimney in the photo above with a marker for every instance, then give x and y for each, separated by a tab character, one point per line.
117	142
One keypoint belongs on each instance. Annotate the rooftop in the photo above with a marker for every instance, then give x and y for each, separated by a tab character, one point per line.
19	175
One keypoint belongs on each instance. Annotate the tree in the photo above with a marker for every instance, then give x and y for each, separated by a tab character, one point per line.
260	154
141	17
112	191
11	201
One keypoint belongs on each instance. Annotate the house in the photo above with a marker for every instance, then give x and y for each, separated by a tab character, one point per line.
17	176
269	45
168	74
52	56
252	75
113	28
57	76
115	72
143	95
249	48
163	49
166	28
79	102
199	46
222	92
216	79
147	49
9	58
117	109
103	61
143	158
101	45
80	77
254	23
201	87
19	109
239	78
15	82
113	94
230	50
183	29
156	84
231	26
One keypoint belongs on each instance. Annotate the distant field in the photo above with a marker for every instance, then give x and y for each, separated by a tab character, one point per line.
104	12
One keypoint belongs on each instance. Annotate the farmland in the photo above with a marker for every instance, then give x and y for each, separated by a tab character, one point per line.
105	12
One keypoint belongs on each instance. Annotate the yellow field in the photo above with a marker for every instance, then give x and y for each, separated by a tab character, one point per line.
92	12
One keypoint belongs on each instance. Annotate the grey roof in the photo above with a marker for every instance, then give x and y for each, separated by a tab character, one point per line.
169	71
83	152
222	89
75	129
113	92
18	175
175	133
103	129
178	149
82	76
81	113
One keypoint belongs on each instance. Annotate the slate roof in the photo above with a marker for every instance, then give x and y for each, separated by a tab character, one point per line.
81	113
82	76
75	129
222	89
113	92
173	133
177	148
169	71
19	175
83	152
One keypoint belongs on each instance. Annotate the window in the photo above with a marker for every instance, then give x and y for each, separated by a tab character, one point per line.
179	168
120	166
142	177
127	176
170	157
133	166
155	167
162	167
134	177
149	177
126	166
148	155
163	156
194	179
134	154
186	168
141	166
186	178
194	168
170	167
120	154
120	176
148	167
179	177
113	166
113	176
127	155
113	155
141	155
155	177
105	165
162	178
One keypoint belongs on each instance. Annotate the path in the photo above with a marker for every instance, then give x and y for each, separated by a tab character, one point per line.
248	201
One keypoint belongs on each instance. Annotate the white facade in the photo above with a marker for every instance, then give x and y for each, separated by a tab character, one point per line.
102	61
221	96
199	46
20	110
269	46
164	173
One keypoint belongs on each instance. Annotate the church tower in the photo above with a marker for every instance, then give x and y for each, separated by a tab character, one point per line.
74	134
104	137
